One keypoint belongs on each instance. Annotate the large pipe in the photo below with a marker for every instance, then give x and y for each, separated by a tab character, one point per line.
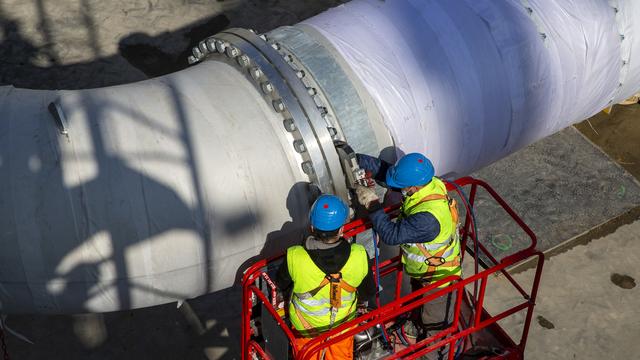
147	193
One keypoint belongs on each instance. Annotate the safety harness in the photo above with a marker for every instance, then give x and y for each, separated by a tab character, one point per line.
437	259
336	283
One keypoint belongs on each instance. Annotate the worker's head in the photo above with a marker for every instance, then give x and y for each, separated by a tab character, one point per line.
410	173
328	215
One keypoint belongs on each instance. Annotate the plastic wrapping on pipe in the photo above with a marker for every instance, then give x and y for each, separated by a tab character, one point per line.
469	82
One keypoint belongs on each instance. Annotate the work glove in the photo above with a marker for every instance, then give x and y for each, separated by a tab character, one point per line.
368	180
367	196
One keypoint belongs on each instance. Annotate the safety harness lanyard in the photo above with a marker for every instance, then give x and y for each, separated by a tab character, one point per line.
336	284
374	238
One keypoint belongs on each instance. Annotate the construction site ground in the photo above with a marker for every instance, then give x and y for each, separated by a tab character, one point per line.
577	189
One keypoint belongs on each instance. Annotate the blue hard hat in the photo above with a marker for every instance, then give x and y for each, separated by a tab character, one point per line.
411	170
328	213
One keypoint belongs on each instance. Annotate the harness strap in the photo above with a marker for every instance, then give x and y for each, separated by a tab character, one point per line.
304	321
329	278
336	283
432	267
431	270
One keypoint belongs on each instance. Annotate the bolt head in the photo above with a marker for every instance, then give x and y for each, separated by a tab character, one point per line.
203	47
232	51
289	125
317	100
243	60
276	46
288	58
267	87
312	91
197	53
263	37
332	131
300	74
192	59
299	146
307	167
255	73
211	45
220	46
278	105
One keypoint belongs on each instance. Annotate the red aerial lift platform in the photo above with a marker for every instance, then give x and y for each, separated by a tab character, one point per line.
474	333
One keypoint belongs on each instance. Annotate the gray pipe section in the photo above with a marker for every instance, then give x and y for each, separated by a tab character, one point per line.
136	195
159	191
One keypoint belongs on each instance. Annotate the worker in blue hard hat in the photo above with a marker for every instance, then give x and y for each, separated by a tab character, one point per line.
326	276
426	229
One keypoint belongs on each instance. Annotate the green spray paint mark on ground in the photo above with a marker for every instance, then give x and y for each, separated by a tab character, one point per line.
502	242
621	191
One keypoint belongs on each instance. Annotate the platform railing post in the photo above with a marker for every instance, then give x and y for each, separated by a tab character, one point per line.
532	302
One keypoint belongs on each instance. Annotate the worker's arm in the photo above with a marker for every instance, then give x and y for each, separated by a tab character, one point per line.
367	287
375	166
283	278
417	228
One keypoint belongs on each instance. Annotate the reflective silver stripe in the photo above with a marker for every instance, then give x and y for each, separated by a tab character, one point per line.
435	246
318	302
303	296
321	312
420	258
314	302
414	257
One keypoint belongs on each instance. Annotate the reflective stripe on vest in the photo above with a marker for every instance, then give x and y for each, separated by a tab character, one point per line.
310	309
421	258
310	301
444	250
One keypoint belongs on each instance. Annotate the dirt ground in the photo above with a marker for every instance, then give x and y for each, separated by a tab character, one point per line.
78	44
618	135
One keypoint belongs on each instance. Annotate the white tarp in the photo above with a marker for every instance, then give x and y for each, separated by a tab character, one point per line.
469	82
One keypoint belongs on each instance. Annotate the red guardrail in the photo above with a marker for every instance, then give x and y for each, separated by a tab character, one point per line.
401	305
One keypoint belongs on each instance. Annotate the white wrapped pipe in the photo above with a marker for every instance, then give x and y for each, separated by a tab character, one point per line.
469	82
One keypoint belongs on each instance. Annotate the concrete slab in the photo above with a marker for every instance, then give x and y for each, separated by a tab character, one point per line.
588	302
561	186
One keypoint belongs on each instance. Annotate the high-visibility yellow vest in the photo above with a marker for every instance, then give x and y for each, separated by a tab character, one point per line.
322	301
437	259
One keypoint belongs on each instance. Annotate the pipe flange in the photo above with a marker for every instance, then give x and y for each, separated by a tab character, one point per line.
314	90
286	87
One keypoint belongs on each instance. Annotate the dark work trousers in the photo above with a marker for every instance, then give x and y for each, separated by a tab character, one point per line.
435	315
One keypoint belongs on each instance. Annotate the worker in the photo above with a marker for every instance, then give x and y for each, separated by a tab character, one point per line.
326	277
426	231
